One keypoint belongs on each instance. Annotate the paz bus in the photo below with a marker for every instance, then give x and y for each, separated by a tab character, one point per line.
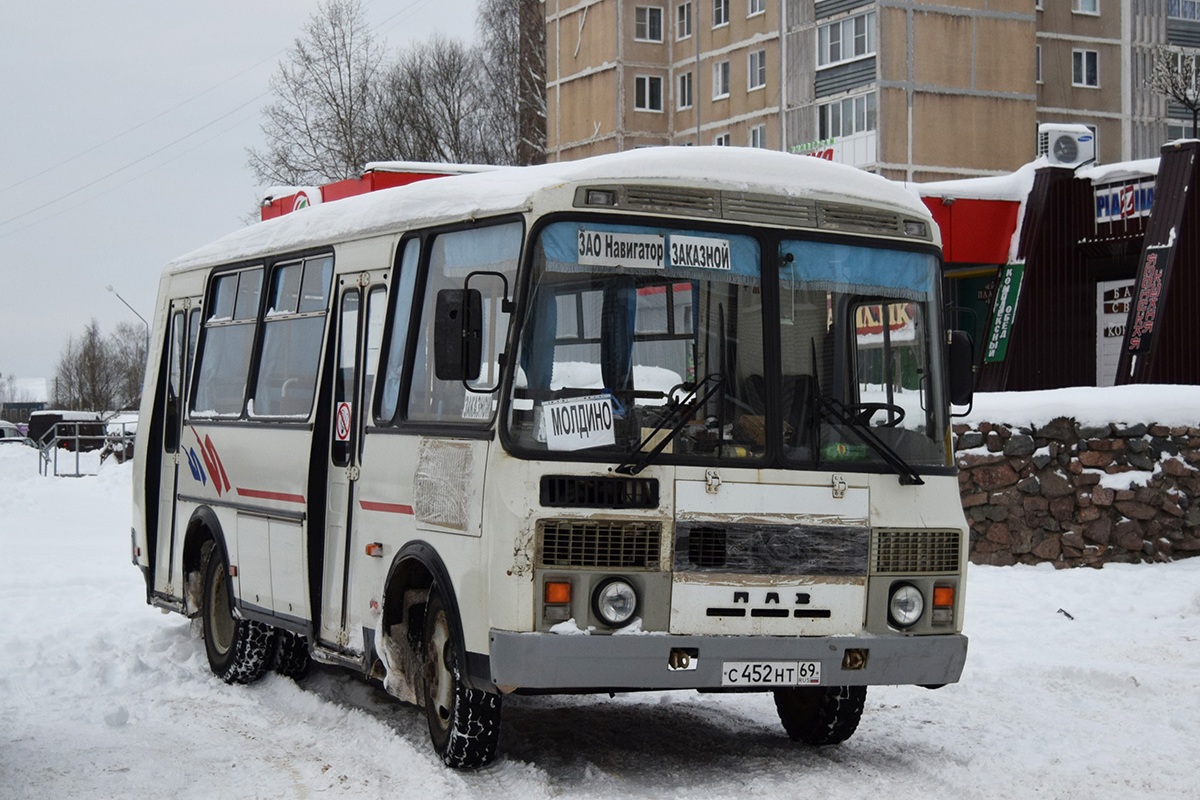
668	419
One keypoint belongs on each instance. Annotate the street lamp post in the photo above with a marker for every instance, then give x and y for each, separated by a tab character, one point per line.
136	314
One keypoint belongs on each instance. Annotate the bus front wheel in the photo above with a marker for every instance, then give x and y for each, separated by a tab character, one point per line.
239	650
464	723
820	715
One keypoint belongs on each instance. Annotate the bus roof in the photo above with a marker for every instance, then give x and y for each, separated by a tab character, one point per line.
514	189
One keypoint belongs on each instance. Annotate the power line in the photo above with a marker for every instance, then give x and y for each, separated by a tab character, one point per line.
133	163
375	30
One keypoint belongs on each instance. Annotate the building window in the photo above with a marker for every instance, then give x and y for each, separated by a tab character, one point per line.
846	117
683	21
756	77
1038	63
647	93
720	80
846	40
647	24
1183	9
720	13
721	140
756	7
758	136
1085	68
685	91
1180	129
1085	6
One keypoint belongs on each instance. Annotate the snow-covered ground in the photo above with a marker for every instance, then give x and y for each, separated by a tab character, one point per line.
102	696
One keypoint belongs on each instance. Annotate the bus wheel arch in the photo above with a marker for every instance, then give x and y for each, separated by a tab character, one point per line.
203	533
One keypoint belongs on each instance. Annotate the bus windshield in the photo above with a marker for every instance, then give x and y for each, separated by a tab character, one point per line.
660	344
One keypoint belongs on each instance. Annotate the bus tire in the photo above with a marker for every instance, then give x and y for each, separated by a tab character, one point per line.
820	715
239	650
291	655
464	723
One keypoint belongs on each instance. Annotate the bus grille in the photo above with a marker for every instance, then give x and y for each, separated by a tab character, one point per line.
603	544
899	552
753	549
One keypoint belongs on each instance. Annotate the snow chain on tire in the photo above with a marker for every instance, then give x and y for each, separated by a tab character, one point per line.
820	715
251	645
465	730
291	655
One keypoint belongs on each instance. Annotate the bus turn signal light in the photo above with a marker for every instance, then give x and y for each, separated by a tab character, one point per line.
375	550
943	605
558	593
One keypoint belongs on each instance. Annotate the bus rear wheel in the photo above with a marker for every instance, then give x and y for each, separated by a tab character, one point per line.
291	655
239	650
464	723
820	715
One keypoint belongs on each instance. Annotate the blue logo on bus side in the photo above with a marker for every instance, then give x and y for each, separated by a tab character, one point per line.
196	466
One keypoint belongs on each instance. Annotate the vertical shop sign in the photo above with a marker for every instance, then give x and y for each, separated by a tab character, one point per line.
1148	298
1008	291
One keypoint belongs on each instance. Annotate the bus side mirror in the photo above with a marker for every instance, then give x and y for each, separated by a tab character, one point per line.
961	368
458	335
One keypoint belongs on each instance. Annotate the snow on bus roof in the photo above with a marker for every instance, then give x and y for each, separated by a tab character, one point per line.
512	189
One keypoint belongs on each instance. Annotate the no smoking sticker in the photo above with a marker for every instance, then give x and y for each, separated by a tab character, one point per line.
341	424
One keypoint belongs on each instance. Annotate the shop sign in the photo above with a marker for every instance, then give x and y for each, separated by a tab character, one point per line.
823	148
1124	201
1148	302
1008	291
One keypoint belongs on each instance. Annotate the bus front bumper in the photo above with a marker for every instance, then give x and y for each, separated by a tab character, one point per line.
655	661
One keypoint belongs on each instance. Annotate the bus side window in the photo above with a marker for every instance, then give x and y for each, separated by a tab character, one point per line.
393	364
292	332
174	394
224	360
454	256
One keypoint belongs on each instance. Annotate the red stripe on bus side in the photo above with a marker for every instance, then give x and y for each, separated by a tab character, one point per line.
261	495
390	508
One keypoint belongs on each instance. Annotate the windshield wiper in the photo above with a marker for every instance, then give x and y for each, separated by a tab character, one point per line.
904	471
677	416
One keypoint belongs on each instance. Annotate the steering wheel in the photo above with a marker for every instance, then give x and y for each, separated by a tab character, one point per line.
862	413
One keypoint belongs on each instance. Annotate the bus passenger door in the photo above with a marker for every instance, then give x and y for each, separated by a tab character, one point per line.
181	338
356	357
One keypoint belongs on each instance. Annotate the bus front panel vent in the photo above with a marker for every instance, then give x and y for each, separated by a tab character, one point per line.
601	544
858	220
905	552
584	491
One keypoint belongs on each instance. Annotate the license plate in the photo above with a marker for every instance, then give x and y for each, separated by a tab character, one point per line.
771	673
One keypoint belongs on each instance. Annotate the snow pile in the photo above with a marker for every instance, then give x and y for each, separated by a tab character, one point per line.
106	697
1172	406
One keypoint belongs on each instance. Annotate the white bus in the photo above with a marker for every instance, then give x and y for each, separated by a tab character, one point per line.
667	419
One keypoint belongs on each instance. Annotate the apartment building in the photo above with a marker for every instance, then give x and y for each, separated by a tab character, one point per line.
916	90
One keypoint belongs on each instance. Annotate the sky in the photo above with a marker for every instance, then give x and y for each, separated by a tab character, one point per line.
123	135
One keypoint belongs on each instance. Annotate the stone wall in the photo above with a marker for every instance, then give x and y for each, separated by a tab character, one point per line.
1077	495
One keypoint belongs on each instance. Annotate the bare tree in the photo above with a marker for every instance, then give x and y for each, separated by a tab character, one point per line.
513	34
317	128
95	373
10	392
340	104
1175	74
432	106
127	350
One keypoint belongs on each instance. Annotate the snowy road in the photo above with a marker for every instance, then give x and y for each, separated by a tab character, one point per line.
102	696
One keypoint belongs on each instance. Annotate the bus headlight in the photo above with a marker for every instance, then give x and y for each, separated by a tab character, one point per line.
905	606
614	602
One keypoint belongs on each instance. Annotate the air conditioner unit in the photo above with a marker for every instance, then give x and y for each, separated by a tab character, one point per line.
1066	145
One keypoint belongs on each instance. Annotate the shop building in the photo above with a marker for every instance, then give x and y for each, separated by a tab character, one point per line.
1077	276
